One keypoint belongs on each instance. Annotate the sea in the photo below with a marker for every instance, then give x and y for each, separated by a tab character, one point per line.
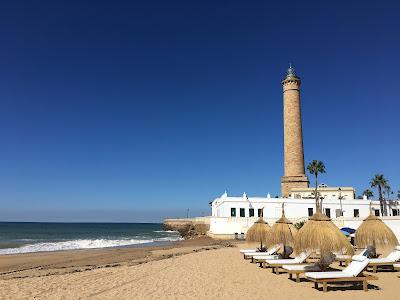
39	237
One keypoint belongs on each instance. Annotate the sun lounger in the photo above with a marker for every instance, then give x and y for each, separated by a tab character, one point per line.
352	273
260	258
300	269
346	259
396	266
248	251
385	261
275	264
250	254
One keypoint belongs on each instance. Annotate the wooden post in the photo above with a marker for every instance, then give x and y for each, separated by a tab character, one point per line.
365	286
325	286
297	277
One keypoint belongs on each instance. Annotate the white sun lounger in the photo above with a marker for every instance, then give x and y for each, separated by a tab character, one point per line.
300	269
343	258
396	266
260	258
352	273
250	254
248	250
385	261
275	264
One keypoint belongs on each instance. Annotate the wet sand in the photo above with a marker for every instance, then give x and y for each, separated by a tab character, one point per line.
62	262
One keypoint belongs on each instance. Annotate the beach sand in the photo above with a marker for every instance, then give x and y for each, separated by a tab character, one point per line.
199	269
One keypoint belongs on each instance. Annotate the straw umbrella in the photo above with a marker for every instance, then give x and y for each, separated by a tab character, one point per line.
320	234
258	232
282	232
374	232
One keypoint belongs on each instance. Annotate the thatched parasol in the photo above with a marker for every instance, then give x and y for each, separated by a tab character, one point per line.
282	232
320	234
374	232
258	232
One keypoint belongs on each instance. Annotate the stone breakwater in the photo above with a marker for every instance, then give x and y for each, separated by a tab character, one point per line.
187	228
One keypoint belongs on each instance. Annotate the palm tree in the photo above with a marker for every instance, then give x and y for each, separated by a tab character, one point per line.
388	191
368	193
380	182
316	167
398	194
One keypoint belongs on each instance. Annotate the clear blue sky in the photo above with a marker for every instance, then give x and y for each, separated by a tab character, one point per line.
136	110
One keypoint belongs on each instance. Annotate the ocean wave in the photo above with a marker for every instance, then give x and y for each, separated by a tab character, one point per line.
81	244
166	231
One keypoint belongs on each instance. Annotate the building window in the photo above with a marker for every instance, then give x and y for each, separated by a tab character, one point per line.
260	212
356	213
395	212
242	212
251	212
338	213
233	212
310	211
377	212
328	212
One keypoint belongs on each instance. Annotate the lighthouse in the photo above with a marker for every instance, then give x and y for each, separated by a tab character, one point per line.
294	172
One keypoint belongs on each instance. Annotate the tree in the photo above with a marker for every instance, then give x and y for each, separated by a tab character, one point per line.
379	181
316	167
388	191
398	194
368	193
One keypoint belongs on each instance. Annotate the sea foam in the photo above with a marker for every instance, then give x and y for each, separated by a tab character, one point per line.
82	244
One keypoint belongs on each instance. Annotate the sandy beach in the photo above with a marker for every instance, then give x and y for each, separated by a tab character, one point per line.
198	269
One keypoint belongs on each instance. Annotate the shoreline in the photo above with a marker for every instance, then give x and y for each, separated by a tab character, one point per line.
138	245
37	264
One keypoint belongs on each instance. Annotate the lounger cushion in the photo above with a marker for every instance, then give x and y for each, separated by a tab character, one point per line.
265	257
248	250
343	256
297	260
255	253
328	275
273	250
262	254
396	265
383	260
269	252
281	261
303	256
309	267
391	258
358	264
394	255
359	258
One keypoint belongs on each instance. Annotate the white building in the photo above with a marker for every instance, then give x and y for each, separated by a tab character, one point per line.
344	193
232	215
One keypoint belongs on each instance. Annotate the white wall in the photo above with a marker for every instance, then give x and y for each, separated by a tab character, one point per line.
294	208
221	223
